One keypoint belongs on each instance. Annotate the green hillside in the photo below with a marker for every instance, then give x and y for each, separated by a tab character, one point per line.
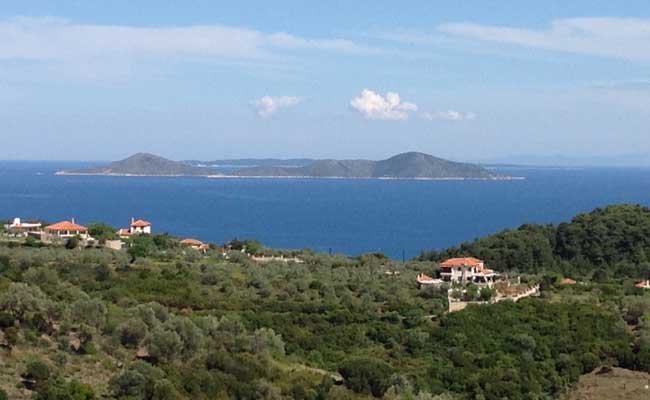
614	241
160	321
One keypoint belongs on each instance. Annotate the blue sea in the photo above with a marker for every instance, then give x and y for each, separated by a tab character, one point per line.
343	216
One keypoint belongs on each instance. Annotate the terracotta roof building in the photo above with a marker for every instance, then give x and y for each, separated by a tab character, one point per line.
191	243
137	227
140	226
195	244
67	229
567	282
423	279
467	270
462	262
643	284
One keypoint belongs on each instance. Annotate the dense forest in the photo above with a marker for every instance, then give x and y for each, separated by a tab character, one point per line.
160	321
607	241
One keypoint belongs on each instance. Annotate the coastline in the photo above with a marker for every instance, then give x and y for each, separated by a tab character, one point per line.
222	176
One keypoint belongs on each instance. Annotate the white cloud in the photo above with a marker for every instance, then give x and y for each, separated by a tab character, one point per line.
267	105
375	106
449	115
56	39
626	38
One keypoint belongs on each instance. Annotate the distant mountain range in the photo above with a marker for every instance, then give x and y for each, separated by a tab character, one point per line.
411	165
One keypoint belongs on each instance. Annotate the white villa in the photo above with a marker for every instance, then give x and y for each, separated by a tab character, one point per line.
467	270
137	227
19	228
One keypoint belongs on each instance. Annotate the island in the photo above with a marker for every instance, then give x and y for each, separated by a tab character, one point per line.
142	164
410	165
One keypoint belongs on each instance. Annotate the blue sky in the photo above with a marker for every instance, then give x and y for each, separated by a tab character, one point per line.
86	80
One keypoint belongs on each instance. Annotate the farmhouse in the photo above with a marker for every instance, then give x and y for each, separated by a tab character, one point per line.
467	270
67	229
137	227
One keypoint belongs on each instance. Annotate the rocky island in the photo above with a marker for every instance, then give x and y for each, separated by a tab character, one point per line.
411	165
142	164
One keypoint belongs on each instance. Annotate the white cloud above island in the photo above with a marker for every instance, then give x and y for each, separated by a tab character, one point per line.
373	105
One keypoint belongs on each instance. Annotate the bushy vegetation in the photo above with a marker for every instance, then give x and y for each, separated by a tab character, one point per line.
165	322
612	241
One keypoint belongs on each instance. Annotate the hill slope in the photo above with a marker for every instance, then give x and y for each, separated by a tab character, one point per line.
253	162
405	165
144	164
614	240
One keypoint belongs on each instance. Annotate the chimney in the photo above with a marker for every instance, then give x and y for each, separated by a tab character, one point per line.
72	220
132	220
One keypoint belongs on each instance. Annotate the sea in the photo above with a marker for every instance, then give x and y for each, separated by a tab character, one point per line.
399	218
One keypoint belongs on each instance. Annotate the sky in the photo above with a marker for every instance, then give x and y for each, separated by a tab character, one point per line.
471	80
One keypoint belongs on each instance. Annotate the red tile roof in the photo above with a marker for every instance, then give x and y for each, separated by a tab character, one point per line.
140	223
426	279
567	282
461	262
643	285
66	226
191	242
486	271
124	232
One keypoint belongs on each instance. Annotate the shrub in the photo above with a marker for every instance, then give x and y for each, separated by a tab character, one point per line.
72	243
58	389
11	335
164	390
23	301
37	372
131	332
6	320
366	375
266	340
102	232
92	312
32	242
191	336
137	381
163	344
102	273
487	293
